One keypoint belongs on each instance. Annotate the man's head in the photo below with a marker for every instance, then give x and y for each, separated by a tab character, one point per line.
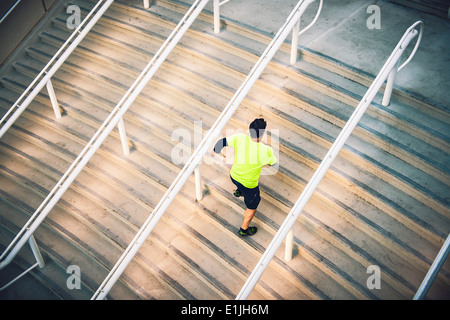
257	128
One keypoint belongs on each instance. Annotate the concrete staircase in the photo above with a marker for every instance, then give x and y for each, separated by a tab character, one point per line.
384	202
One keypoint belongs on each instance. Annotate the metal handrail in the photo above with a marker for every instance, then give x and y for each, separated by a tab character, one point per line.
10	10
286	228
392	75
433	271
101	134
216	5
43	78
37	256
296	33
26	233
205	145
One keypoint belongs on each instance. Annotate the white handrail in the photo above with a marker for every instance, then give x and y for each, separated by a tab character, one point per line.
391	79
314	20
433	271
216	8
296	33
201	150
417	23
101	134
10	10
37	256
36	90
18	107
288	223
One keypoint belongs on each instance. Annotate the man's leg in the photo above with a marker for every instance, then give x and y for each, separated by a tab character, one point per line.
248	216
251	199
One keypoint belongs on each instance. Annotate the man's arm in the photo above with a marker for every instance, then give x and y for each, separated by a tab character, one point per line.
220	145
272	158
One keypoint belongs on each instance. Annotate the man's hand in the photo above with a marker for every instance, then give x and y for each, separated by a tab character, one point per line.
213	153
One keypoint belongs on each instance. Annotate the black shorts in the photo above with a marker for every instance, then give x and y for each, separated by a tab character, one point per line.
251	196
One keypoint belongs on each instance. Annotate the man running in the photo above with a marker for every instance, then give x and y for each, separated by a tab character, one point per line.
249	158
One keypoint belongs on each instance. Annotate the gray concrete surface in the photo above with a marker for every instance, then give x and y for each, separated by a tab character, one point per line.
341	32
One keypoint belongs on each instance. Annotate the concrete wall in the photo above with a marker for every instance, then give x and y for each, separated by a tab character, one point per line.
19	23
440	8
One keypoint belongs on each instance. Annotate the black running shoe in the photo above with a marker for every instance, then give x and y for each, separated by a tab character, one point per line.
248	232
237	193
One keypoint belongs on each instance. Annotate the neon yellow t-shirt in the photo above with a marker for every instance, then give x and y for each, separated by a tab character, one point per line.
249	158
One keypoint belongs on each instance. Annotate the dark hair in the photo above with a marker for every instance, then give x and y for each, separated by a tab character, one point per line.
257	128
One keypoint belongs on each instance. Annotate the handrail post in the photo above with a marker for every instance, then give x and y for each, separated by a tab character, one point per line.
123	137
433	271
294	43
54	101
289	245
198	183
146	4
216	6
390	86
216	9
296	33
397	68
36	252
